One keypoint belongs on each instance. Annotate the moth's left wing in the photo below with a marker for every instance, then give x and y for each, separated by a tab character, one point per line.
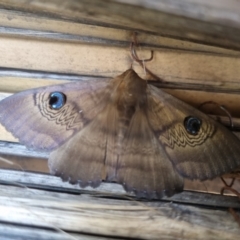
30	117
210	152
90	156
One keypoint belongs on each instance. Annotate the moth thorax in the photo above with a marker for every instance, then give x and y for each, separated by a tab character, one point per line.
131	92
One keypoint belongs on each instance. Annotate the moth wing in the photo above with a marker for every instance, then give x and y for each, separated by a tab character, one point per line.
143	166
90	155
211	152
30	118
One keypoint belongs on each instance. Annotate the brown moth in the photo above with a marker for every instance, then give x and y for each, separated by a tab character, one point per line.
122	130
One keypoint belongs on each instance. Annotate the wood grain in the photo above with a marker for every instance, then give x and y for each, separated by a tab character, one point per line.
74	58
20	24
100	216
201	22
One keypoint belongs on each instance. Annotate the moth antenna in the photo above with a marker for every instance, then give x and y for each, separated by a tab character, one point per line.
135	56
222	108
141	62
135	40
230	188
144	67
226	184
235	215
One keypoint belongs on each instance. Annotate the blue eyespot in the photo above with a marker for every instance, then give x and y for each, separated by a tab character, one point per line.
192	125
57	100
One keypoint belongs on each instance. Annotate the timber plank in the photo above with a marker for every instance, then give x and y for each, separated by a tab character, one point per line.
111	217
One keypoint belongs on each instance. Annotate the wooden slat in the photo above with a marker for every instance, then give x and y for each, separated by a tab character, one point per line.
13	232
108	61
120	218
19	24
216	11
204	22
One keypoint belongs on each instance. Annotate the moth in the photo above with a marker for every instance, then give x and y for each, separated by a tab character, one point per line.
122	130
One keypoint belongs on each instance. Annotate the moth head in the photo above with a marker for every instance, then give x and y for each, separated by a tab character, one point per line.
192	124
57	100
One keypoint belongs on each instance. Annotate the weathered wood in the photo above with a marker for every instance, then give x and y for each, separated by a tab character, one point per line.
13	232
107	217
114	190
20	150
23	24
204	22
110	61
215	11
